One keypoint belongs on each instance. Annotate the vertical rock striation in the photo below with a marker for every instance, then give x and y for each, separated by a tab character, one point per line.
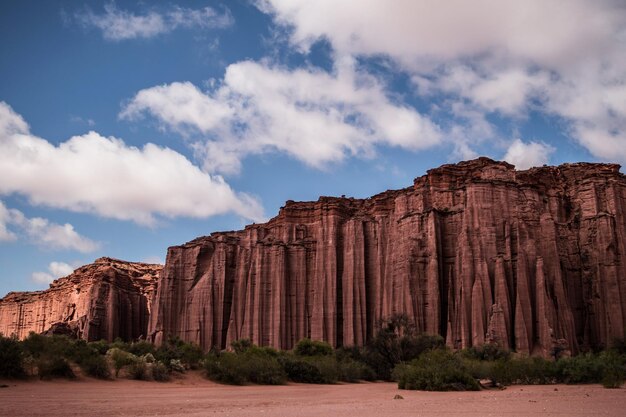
476	251
103	300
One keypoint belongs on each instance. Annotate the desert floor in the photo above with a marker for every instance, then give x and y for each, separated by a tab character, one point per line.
195	396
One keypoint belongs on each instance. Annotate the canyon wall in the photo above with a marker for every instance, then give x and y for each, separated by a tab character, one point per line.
476	252
104	300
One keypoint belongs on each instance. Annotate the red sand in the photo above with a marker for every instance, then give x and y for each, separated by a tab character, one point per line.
195	396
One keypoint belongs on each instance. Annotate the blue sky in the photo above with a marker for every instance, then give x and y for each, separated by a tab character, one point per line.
128	127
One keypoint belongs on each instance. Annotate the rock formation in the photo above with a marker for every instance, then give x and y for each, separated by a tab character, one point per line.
477	252
103	300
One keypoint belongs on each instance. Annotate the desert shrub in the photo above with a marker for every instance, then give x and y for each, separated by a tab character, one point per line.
37	346
141	348
487	352
525	370
354	371
327	366
613	369
160	372
396	341
412	346
479	369
225	368
255	365
55	367
349	352
176	365
80	351
581	369
436	370
120	359
299	370
138	369
321	369
308	347
189	354
100	346
119	344
11	358
34	345
96	366
263	368
241	345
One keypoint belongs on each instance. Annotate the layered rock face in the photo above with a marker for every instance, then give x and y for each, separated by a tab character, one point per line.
477	252
104	300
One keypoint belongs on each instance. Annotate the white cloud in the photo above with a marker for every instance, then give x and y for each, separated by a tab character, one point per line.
527	155
180	105
311	115
117	25
55	270
42	232
95	174
561	57
5	217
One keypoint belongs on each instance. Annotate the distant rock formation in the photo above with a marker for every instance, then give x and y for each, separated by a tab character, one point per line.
104	300
477	252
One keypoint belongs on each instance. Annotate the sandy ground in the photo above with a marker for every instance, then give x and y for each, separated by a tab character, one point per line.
195	396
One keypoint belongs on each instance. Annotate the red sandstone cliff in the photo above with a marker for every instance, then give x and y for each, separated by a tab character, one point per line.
104	300
475	251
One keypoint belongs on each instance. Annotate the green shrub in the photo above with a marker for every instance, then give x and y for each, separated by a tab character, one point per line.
141	348
353	371
241	345
138	370
189	354
101	346
487	352
581	369
160	372
308	347
11	358
255	365
613	369
299	370
225	368
264	369
34	345
533	370
176	365
436	370
56	367
120	344
96	366
479	369
120	359
412	346
396	341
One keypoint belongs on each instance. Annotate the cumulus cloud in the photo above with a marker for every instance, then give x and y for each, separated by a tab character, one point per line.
117	25
102	175
55	270
5	217
527	155
42	232
563	58
314	116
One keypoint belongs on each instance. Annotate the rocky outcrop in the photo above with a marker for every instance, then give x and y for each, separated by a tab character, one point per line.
477	252
104	300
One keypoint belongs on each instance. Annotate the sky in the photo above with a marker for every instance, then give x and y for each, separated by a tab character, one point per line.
129	127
